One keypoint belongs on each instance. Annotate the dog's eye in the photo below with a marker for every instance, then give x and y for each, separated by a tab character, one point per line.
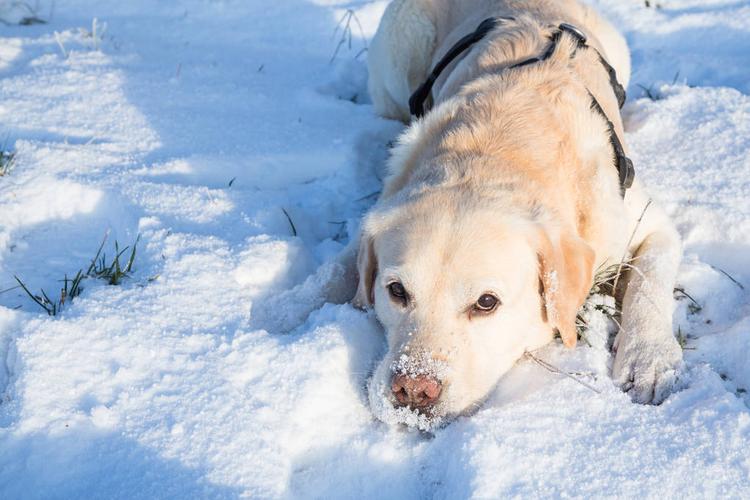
397	292
486	303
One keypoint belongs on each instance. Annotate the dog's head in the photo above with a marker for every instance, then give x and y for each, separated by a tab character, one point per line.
462	290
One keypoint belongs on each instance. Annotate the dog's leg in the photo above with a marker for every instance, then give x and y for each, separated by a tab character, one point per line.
647	354
399	56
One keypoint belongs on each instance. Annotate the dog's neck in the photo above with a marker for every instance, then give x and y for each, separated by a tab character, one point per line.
509	129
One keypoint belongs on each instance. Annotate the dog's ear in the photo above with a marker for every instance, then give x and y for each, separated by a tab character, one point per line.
565	270
367	268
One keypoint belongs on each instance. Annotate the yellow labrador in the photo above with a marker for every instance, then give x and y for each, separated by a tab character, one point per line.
502	201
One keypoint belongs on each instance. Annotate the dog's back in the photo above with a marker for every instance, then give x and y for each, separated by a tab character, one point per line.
414	34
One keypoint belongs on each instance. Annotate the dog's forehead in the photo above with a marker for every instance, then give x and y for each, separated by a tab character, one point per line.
469	256
448	233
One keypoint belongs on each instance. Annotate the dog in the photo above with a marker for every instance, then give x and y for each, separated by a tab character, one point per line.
502	201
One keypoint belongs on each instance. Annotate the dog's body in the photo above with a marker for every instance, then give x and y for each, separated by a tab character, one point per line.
506	189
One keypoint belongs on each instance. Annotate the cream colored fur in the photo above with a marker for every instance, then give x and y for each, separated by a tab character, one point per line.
507	186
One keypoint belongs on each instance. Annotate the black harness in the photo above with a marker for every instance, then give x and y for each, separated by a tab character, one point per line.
623	163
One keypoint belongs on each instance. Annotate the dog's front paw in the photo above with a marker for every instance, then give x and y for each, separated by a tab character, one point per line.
646	367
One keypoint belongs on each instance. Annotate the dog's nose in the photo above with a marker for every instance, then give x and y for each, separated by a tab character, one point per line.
419	391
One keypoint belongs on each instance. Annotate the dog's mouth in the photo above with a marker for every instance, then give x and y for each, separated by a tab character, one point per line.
424	420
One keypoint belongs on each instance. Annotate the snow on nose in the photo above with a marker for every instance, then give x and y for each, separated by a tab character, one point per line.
418	391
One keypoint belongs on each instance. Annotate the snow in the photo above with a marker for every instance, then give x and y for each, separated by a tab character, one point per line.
218	370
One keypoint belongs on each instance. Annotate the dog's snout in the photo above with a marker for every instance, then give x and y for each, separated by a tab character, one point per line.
419	391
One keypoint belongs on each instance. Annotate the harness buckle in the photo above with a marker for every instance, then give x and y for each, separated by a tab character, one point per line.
626	171
577	33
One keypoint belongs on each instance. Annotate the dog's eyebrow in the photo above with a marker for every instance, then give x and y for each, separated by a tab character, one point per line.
474	290
390	274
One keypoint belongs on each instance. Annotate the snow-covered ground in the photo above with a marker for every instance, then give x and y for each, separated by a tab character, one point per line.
224	134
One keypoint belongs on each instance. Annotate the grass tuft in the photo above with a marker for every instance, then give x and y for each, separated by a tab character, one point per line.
344	27
7	161
694	307
96	33
294	229
605	280
605	283
653	93
112	272
650	92
7	158
731	278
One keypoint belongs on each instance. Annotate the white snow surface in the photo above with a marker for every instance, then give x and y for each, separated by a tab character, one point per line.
197	124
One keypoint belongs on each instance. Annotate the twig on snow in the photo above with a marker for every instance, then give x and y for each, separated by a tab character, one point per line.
624	257
551	368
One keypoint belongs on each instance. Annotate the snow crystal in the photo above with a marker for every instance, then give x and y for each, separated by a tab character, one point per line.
419	363
552	285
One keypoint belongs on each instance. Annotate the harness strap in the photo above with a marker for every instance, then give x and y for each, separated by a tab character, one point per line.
624	165
418	98
617	87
